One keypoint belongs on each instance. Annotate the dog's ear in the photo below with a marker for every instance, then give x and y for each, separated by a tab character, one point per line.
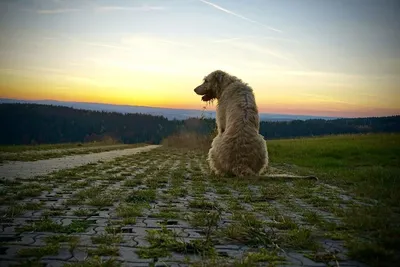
220	76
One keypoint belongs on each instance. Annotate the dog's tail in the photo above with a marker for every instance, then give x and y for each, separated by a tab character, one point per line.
242	171
291	176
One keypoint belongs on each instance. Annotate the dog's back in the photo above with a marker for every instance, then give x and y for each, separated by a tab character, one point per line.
243	148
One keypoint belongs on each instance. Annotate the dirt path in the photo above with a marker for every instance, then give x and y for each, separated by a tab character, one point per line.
41	167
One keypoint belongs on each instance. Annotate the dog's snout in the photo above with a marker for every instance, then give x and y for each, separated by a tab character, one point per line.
198	90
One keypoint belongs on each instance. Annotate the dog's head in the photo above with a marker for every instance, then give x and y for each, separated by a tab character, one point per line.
212	85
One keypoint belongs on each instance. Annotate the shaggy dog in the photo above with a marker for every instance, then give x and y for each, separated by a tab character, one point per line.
238	149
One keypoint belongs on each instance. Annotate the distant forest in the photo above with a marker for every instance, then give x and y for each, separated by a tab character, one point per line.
44	124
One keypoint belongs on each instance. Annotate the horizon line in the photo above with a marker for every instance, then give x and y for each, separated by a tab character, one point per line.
169	108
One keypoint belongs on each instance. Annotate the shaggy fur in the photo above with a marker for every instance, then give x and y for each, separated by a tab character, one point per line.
238	149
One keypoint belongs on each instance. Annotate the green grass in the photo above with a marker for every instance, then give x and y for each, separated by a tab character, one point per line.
104	250
55	239
45	224
40	152
264	255
367	166
44	147
83	212
106	239
130	210
51	249
142	196
164	241
95	261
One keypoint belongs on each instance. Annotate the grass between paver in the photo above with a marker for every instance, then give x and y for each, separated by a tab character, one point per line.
163	203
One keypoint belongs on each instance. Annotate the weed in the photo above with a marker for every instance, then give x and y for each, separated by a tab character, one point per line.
312	217
263	255
178	192
103	200
164	241
299	238
130	220
77	226
248	230
47	225
166	214
51	249
55	239
43	225
34	205
104	250
14	210
89	192
203	204
283	223
150	253
106	239
53	212
132	182
83	212
142	196
129	210
79	184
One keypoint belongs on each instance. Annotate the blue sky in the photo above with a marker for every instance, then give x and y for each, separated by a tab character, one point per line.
300	56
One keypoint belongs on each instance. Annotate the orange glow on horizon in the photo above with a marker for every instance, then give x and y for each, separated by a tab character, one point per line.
90	90
272	108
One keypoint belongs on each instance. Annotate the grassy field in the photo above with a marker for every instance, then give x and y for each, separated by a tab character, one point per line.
44	147
162	208
366	165
40	152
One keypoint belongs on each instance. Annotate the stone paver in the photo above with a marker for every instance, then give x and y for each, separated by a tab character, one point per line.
161	208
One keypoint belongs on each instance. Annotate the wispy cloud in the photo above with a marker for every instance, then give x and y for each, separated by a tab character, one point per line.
256	48
227	40
233	39
104	45
130	8
57	10
148	41
239	16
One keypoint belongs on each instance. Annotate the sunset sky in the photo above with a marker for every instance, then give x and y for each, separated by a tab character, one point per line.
314	57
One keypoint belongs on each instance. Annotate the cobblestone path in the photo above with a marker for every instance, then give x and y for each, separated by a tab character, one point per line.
161	208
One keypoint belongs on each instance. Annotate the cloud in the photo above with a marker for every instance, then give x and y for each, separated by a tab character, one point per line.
233	39
150	41
238	15
227	40
127	8
253	47
57	11
104	45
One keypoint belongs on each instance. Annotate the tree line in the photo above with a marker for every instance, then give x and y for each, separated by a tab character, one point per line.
45	124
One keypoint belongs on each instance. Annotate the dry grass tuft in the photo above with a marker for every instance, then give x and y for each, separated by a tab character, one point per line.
188	140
